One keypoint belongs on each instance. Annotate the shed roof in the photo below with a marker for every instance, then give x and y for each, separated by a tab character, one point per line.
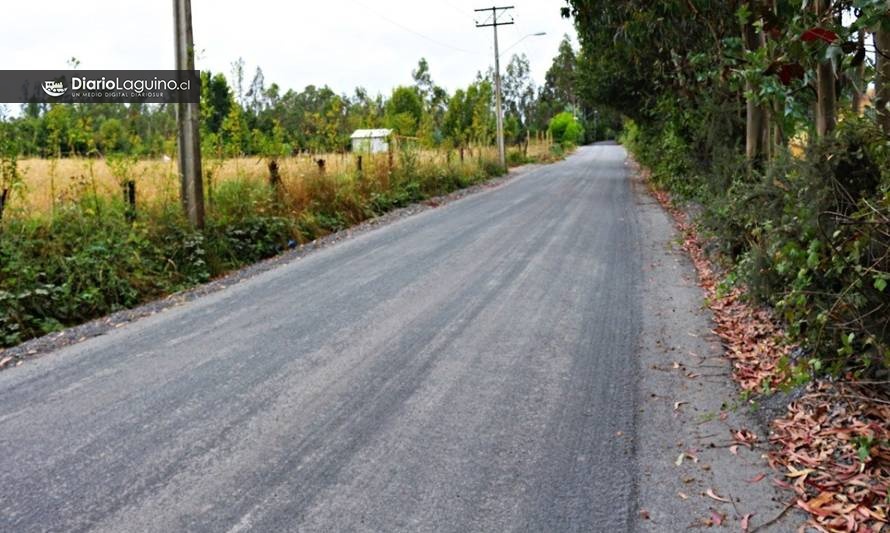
371	134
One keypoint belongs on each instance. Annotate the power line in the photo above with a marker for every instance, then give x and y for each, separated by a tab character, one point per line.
410	30
464	12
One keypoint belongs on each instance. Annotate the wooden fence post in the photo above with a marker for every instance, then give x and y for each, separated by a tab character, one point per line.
130	200
275	179
3	196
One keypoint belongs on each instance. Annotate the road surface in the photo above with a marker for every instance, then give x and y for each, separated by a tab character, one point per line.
471	368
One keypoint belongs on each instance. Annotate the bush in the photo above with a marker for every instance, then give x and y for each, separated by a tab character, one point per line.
819	250
566	130
807	234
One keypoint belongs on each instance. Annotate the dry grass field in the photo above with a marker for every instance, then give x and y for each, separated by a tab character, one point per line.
48	182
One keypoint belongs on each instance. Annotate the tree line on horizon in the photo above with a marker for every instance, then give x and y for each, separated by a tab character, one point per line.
241	117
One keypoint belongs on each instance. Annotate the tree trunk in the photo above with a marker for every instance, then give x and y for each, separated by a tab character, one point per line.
754	119
882	88
859	85
825	85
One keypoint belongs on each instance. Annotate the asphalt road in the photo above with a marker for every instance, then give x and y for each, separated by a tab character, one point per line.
471	368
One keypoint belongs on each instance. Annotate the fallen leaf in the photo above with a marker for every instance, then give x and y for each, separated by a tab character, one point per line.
711	494
821	500
799	473
734	449
746	522
682	495
756	479
644	514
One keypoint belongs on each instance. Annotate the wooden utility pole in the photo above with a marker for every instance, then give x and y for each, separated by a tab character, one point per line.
493	22
187	115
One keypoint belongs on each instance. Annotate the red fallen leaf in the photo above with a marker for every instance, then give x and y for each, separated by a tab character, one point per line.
746	522
716	518
711	494
745	437
756	479
818	34
781	484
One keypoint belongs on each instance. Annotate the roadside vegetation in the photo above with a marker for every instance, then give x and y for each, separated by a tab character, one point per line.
769	119
91	220
765	114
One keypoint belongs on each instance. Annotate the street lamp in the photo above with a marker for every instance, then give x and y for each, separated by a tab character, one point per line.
539	34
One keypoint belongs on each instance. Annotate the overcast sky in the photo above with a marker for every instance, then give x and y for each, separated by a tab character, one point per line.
341	43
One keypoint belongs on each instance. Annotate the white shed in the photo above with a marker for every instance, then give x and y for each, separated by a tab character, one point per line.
371	141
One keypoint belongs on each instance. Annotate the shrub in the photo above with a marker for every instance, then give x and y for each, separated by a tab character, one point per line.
807	234
566	130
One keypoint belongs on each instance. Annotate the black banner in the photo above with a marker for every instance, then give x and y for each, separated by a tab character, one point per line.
100	86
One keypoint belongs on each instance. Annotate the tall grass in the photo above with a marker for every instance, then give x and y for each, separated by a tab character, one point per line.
48	183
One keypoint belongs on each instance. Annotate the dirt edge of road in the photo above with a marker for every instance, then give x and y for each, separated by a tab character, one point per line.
700	449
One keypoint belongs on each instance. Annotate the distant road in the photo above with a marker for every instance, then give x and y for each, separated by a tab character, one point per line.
471	368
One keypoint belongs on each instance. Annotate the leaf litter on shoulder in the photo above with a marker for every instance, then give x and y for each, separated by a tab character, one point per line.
833	444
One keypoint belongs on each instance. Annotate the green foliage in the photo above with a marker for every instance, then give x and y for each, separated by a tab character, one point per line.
806	232
404	110
239	119
816	248
87	259
10	177
566	130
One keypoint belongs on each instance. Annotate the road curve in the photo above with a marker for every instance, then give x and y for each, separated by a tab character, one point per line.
471	368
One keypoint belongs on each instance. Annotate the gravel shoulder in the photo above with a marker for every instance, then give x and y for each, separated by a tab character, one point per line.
689	409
